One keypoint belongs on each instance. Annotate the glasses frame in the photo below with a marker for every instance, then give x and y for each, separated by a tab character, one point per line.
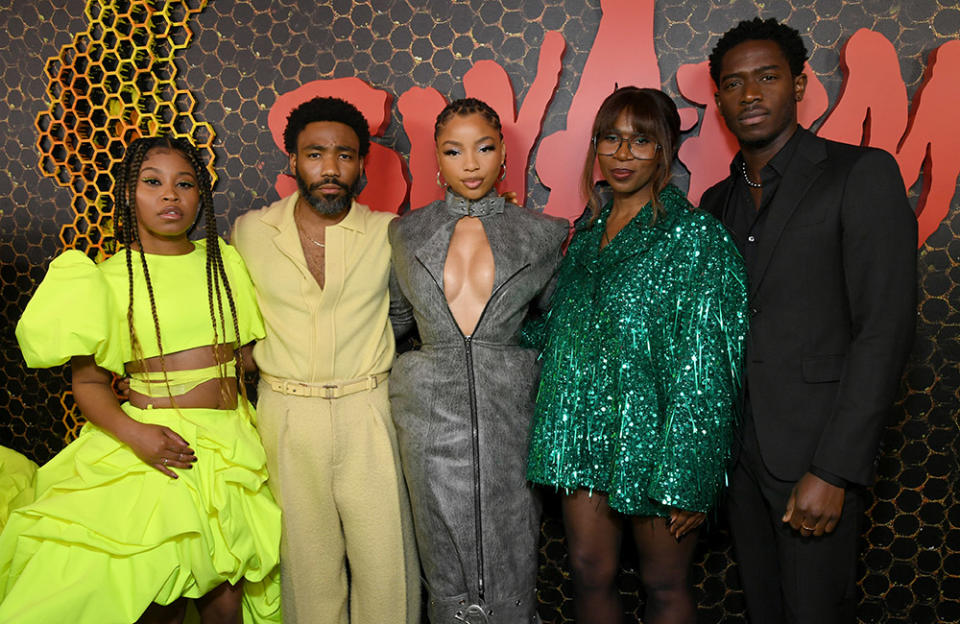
596	148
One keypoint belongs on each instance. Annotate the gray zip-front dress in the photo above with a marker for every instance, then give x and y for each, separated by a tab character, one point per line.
463	405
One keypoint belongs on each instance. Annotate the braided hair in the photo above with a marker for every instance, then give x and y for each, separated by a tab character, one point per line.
128	235
464	107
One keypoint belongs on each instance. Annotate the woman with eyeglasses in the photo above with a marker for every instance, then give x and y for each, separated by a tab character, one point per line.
641	366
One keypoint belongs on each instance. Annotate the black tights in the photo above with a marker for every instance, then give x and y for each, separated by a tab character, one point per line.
593	537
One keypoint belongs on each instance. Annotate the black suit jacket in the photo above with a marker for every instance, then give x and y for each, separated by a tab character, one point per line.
833	305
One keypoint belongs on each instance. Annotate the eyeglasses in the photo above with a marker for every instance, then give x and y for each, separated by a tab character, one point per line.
640	146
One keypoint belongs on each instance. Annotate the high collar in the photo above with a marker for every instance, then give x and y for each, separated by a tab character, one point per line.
489	204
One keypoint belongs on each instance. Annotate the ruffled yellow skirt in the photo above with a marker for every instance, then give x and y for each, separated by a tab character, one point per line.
108	534
16	482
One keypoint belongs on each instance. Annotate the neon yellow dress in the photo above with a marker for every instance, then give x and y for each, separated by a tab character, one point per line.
108	534
17	474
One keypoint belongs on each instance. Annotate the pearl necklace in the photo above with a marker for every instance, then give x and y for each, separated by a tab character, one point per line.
750	183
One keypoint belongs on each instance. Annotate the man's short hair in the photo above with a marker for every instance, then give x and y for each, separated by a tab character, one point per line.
760	30
326	109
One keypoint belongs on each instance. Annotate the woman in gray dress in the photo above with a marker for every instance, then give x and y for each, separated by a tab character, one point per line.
467	270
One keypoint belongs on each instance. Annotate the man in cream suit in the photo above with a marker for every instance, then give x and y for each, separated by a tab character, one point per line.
320	263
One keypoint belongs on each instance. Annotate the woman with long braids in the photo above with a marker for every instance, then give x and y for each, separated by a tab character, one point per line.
163	497
467	269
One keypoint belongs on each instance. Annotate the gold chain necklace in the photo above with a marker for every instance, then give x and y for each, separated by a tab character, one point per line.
305	235
315	242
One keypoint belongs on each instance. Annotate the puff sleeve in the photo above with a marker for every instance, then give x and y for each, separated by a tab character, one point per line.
73	312
249	319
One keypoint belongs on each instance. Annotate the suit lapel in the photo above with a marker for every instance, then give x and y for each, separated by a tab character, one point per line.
724	215
432	254
287	238
507	259
804	168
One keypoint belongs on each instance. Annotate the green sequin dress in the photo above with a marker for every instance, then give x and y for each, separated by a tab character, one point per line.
641	358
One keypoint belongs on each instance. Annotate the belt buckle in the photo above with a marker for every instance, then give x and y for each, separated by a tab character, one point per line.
295	388
329	391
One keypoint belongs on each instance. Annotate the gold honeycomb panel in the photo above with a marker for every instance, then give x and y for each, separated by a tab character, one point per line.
115	82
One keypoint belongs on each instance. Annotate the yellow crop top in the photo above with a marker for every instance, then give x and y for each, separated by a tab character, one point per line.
80	308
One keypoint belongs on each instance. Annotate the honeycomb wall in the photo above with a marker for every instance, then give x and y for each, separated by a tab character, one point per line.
80	78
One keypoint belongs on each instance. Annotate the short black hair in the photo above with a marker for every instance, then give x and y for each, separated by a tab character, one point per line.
760	30
326	109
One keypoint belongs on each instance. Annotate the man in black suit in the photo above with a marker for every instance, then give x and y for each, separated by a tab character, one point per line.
829	243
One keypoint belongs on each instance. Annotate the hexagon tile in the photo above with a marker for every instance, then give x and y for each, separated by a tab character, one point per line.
115	82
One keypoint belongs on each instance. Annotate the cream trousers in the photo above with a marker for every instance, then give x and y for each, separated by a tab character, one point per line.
335	471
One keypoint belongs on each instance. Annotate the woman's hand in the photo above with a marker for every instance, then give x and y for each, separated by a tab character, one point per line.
682	522
156	445
122	386
510	197
160	447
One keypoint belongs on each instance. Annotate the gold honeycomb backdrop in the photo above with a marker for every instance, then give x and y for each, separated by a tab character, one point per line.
172	63
115	82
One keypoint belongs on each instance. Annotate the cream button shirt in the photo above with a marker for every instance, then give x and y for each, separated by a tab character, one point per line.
314	335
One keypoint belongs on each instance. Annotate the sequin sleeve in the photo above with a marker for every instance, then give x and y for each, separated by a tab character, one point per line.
704	379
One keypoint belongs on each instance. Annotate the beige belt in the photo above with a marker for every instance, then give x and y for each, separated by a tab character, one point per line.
323	390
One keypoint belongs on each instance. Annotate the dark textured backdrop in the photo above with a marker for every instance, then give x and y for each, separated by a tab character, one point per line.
220	85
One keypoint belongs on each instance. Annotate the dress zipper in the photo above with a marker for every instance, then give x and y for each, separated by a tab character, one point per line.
475	432
474	418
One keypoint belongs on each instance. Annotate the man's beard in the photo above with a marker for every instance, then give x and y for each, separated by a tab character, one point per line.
321	204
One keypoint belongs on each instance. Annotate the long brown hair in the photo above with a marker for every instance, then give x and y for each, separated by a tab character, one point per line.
650	112
124	198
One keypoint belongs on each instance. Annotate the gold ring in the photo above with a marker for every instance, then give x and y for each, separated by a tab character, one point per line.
164	461
806	528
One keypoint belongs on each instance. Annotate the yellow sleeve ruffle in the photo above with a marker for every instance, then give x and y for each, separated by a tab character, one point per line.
244	296
72	313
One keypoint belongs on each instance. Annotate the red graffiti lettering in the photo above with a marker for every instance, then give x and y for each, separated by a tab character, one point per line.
626	28
489	82
933	138
871	110
418	109
872	107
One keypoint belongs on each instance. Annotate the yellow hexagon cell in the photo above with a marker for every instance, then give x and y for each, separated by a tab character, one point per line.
186	102
116	81
72	419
